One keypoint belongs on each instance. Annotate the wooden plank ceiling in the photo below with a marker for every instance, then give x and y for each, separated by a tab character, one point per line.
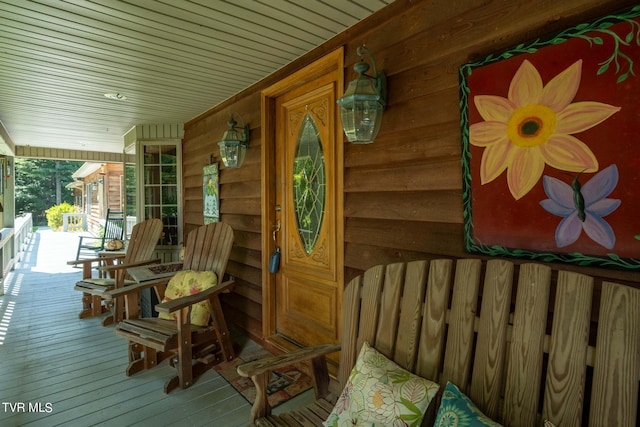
171	59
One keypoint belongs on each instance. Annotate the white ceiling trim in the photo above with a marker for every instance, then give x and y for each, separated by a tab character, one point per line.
172	59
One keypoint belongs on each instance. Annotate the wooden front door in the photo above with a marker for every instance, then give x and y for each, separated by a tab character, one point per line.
307	213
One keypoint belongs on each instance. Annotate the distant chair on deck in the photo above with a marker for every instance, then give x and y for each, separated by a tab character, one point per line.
114	265
89	246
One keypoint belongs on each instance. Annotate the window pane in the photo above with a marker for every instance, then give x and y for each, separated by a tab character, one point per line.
309	184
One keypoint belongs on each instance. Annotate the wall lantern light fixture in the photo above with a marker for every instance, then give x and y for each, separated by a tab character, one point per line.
234	144
363	102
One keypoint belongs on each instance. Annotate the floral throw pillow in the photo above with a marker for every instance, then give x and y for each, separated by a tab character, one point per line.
457	410
189	282
381	393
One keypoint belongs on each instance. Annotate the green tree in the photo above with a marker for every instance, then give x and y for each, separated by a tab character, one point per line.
40	184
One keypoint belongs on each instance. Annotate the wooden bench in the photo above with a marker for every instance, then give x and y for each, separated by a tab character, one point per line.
525	343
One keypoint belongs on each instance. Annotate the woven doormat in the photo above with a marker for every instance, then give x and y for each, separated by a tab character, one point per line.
285	383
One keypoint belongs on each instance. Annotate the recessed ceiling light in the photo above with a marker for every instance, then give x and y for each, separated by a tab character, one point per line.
116	96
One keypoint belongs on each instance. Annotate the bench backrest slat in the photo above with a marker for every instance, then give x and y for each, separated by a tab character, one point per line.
524	367
371	295
462	316
490	357
432	337
351	306
411	315
614	397
389	311
565	383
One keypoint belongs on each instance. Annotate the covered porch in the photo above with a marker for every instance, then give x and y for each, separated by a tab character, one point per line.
61	370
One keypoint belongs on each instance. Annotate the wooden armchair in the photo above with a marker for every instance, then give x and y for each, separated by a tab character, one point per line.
191	349
89	246
545	346
143	241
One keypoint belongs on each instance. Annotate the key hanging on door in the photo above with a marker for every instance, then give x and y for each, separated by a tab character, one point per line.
274	258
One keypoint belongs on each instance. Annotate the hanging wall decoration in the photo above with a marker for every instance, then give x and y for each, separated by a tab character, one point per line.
551	146
211	199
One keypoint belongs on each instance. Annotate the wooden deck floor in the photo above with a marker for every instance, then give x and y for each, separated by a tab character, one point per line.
56	369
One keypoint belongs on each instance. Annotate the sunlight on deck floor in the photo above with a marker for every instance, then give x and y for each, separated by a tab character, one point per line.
56	369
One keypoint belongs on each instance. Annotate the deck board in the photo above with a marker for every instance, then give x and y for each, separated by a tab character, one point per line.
50	356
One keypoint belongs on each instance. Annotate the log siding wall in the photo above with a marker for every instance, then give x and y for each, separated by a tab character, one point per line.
402	194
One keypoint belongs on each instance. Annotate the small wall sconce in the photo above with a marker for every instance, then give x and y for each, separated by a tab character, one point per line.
363	102
234	144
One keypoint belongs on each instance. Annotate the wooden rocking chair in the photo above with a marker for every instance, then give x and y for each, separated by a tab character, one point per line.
191	349
143	241
89	246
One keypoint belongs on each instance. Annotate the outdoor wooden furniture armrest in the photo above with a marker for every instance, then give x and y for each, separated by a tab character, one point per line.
85	261
260	372
186	301
137	287
267	364
88	262
111	255
115	267
95	238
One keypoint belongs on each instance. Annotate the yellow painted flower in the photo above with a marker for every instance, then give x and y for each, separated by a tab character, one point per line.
211	186
533	127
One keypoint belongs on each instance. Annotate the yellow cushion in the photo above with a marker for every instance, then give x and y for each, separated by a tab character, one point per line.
189	282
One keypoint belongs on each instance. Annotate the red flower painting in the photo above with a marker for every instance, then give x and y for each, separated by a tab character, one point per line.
550	146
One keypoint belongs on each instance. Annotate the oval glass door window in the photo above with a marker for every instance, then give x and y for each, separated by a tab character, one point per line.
309	184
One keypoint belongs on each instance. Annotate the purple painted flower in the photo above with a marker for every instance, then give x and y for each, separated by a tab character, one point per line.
583	207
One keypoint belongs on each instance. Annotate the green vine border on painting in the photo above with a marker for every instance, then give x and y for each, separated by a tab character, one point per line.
623	68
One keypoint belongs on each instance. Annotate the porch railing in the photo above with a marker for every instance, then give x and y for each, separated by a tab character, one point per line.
74	222
13	242
131	221
23	227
